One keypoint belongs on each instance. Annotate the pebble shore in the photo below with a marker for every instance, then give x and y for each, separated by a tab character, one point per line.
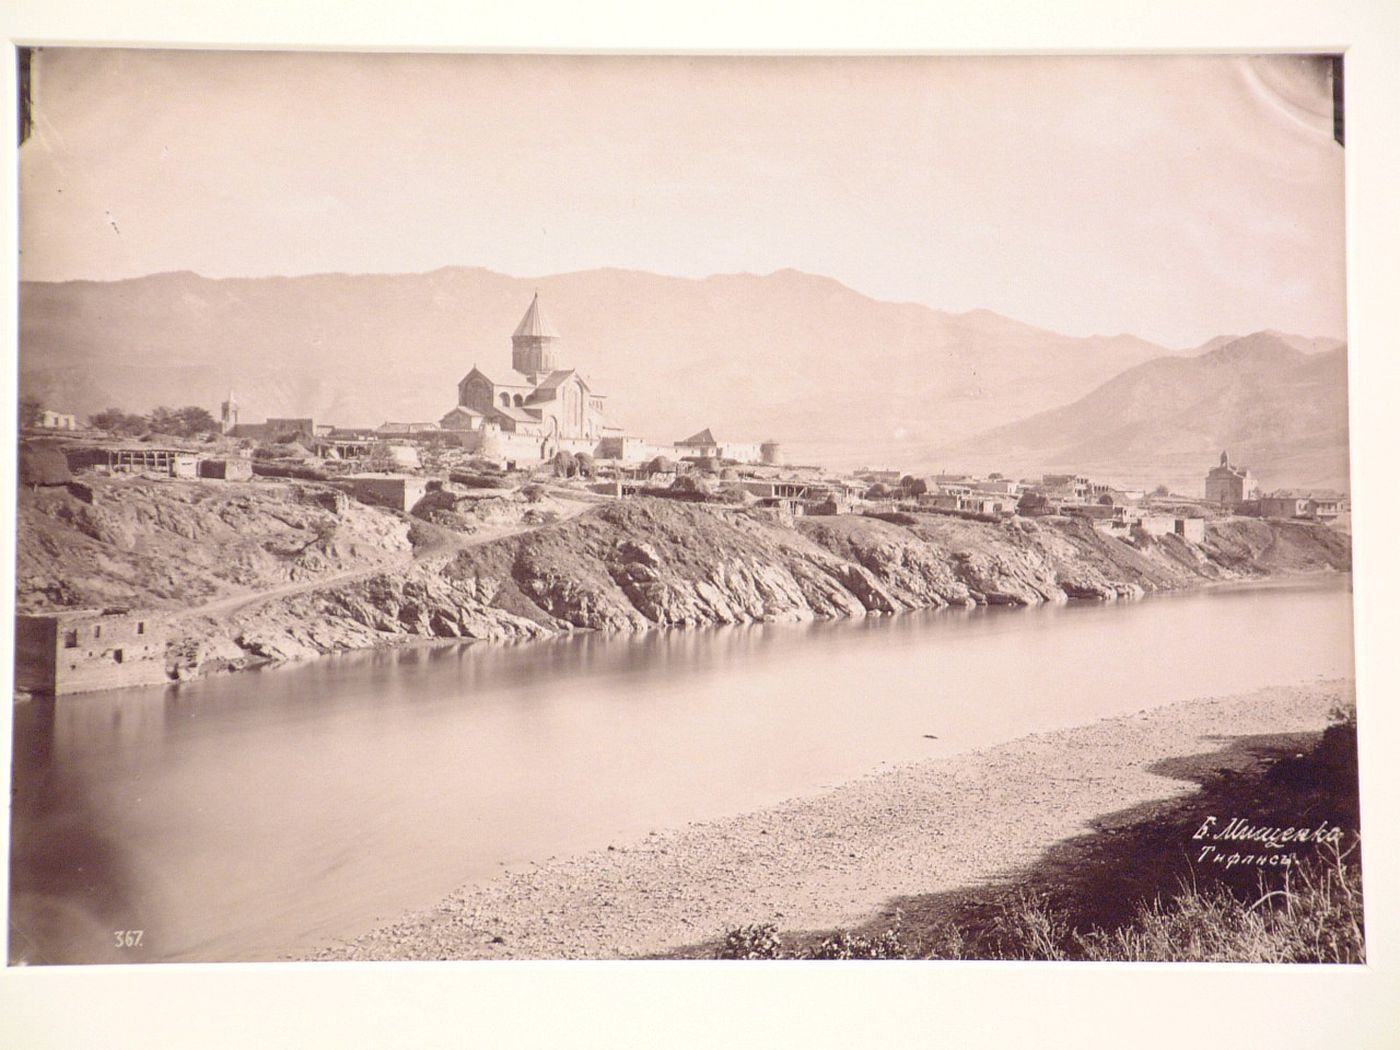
834	859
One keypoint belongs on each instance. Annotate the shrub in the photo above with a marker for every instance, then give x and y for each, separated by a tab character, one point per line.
845	945
690	485
894	517
564	464
756	941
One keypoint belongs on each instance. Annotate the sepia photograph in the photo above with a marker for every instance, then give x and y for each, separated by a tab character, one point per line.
675	507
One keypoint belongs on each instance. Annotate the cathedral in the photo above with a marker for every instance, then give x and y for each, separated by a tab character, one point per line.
535	399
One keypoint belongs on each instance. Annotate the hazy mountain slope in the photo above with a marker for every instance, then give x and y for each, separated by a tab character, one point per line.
1276	408
791	355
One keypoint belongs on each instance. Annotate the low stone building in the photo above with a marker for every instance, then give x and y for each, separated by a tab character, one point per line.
1190	529
396	491
1283	505
86	650
233	468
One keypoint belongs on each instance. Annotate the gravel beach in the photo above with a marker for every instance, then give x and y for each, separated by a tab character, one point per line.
835	858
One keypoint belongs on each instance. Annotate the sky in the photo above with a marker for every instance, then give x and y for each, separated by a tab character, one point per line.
1174	197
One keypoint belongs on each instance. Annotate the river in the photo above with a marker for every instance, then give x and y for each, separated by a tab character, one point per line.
256	815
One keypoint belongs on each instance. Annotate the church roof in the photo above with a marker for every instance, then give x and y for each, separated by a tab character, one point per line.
702	438
556	379
520	415
534	323
509	377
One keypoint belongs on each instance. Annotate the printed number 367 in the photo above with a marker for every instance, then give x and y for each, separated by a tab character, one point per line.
127	938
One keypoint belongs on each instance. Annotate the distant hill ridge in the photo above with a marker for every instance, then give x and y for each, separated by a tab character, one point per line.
1278	405
788	354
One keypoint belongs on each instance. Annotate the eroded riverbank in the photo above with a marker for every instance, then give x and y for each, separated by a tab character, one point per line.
646	563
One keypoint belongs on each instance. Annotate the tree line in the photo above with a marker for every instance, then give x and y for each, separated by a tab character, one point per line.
190	421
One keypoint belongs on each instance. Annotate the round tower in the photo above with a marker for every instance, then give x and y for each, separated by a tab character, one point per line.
534	344
771	453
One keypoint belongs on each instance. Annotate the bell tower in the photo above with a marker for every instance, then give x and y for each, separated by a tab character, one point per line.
228	414
534	343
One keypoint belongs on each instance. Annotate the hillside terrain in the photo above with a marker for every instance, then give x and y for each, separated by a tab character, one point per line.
630	565
839	377
1274	402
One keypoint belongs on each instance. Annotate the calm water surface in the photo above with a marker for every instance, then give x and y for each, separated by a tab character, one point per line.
255	815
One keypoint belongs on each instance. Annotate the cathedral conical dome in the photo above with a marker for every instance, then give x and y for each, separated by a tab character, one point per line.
535	323
532	345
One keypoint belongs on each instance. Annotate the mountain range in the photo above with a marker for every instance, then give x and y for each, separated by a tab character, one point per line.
839	377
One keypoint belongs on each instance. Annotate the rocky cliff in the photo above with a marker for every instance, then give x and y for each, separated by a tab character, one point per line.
648	563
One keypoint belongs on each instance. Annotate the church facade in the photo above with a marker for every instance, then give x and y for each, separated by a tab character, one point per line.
535	402
1228	484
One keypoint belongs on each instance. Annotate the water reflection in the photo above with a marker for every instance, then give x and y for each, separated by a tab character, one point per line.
245	816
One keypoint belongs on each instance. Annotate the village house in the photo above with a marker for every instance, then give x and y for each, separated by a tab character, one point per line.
1065	488
998	486
1228	484
85	650
390	429
48	419
704	445
1323	507
1283	505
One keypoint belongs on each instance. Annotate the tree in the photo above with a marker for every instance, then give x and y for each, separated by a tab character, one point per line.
193	420
660	465
29	411
912	486
163	420
583	464
1161	490
115	421
564	465
879	490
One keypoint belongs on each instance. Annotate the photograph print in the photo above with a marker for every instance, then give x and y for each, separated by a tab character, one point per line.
671	507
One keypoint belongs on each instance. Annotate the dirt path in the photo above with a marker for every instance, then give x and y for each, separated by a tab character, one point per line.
443	543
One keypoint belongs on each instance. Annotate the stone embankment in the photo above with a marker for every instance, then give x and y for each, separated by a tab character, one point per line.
647	563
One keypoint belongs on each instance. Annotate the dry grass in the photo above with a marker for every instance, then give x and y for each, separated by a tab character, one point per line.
1309	912
1315	917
